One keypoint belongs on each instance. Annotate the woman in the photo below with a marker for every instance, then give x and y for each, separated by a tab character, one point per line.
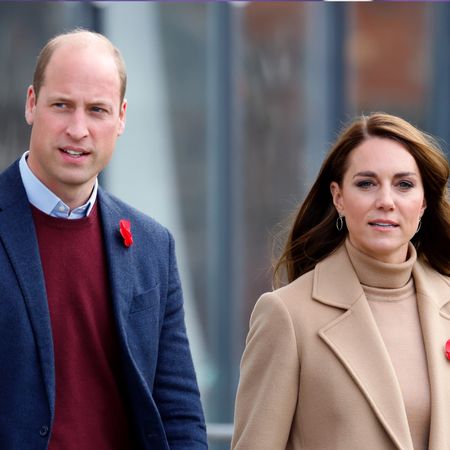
350	355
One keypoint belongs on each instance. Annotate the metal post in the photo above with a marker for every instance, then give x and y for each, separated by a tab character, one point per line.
439	104
219	207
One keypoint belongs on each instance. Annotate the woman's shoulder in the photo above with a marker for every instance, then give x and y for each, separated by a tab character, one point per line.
291	299
335	265
301	286
332	282
301	305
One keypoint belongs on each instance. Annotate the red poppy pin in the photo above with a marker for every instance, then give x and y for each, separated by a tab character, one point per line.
447	349
125	231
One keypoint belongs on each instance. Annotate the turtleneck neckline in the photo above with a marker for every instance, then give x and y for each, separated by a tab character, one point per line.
375	273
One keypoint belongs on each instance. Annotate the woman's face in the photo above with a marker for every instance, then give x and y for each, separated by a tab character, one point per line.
382	198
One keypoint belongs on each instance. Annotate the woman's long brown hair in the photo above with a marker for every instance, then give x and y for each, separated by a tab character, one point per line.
313	235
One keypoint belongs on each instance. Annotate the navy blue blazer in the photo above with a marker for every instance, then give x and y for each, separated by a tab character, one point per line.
148	307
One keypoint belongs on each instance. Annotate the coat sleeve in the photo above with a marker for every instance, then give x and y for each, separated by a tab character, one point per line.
175	390
269	379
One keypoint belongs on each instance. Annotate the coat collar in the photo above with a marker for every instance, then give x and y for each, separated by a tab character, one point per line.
356	341
433	300
330	273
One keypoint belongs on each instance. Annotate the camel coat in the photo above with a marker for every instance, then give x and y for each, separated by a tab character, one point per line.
315	374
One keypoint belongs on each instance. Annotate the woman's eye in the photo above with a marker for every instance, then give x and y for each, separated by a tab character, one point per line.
365	184
405	185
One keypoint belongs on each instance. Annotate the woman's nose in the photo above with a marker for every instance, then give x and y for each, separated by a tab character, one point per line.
385	199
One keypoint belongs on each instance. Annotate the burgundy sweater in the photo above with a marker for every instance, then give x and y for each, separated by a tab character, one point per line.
90	407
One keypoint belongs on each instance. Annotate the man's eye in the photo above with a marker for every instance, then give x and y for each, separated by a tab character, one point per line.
98	109
59	105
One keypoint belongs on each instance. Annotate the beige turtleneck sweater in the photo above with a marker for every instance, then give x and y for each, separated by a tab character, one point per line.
391	294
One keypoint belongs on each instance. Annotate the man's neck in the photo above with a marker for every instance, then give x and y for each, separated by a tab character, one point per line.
51	197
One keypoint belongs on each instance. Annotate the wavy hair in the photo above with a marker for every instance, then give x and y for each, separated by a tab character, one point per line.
313	235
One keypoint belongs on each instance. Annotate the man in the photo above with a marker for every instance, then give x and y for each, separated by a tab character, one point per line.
94	353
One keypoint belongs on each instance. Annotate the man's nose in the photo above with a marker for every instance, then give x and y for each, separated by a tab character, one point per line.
77	127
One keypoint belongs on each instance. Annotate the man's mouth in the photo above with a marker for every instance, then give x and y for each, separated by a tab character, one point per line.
73	153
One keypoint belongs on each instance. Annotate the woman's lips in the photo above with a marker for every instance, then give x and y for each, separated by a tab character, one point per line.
383	224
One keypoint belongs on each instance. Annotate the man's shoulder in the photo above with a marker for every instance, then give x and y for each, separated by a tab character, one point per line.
140	222
11	172
11	186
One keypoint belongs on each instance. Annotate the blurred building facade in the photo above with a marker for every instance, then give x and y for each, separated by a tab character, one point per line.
232	107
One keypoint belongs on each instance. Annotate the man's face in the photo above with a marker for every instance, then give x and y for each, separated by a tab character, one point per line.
75	120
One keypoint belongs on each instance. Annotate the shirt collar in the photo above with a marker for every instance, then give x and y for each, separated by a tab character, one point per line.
44	199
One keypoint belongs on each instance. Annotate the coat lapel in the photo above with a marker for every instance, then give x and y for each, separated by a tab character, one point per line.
355	340
433	299
18	236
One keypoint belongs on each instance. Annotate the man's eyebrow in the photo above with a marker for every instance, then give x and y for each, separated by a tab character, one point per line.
99	101
67	99
59	97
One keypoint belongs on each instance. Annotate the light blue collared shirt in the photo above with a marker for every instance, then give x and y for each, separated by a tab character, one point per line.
44	199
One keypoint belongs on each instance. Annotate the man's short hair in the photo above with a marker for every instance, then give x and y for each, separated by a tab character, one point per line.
82	35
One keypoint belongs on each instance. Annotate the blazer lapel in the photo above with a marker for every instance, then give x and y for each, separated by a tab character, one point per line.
355	340
119	258
433	299
18	235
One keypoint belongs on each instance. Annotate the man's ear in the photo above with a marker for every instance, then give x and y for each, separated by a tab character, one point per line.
122	117
336	194
30	105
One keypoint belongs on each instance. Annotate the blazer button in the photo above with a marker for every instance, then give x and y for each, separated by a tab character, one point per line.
43	431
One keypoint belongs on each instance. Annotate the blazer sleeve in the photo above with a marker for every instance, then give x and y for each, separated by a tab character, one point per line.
269	376
175	389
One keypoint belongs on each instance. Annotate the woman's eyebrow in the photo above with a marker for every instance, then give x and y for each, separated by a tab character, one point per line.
369	173
366	173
